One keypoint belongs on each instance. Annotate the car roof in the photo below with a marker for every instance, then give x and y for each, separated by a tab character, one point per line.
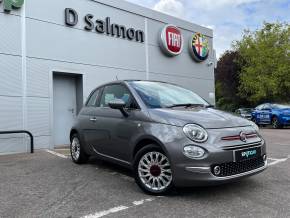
134	80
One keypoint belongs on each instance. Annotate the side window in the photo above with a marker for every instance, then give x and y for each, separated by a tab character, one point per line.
267	106
93	99
260	107
112	92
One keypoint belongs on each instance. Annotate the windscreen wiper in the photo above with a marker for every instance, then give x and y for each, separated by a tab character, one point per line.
209	106
185	105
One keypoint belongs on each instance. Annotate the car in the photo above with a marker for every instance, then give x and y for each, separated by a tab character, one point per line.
168	135
245	113
277	115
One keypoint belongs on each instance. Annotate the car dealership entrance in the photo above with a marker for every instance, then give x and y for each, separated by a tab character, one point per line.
54	53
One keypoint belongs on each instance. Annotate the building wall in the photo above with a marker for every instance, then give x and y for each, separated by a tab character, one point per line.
31	49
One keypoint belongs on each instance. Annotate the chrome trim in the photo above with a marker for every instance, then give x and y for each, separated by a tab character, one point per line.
243	174
241	146
110	157
198	169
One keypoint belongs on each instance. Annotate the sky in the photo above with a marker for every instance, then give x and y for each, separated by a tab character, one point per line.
227	18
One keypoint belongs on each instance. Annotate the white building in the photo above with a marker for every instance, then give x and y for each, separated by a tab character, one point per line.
53	53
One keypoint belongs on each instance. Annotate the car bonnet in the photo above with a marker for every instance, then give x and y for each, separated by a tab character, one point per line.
206	117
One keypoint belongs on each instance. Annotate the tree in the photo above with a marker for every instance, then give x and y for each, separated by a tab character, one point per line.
264	60
227	76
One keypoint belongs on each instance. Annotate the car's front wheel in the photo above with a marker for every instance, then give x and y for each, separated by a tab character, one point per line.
153	170
78	154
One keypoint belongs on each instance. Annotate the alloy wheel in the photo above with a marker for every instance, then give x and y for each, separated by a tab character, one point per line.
154	171
75	148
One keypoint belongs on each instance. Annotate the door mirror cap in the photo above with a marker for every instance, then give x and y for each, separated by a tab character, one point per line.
117	104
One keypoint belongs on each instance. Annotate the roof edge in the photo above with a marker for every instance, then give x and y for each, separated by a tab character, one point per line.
155	15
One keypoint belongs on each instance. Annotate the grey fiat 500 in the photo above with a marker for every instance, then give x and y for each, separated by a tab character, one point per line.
168	135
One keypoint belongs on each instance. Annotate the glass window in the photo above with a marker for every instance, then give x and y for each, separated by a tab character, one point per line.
280	106
112	92
260	107
159	95
267	106
93	99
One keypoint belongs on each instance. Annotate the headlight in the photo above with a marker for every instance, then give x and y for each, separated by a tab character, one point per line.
193	151
255	126
195	133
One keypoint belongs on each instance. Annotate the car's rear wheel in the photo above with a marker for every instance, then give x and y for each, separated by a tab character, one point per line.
78	154
153	171
275	123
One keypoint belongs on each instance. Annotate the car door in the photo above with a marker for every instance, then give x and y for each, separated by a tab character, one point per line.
88	119
116	129
266	114
257	113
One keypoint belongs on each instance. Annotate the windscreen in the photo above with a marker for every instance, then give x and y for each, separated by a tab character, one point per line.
162	95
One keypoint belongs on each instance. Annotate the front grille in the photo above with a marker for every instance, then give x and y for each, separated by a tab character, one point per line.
234	168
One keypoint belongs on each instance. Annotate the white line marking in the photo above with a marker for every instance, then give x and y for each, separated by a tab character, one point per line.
56	154
118	209
107	212
276	161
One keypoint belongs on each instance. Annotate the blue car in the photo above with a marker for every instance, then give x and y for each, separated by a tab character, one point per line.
276	115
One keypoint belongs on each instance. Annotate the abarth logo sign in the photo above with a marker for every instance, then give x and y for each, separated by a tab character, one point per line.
199	47
12	4
171	40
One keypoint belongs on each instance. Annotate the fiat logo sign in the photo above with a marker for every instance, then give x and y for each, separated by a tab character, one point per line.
243	137
171	40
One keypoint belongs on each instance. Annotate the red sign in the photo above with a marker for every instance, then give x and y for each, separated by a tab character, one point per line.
171	40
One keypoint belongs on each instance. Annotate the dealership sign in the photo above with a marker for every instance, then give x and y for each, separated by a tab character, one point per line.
171	40
104	26
199	47
11	4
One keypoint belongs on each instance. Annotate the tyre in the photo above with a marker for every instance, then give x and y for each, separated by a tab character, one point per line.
153	171
77	152
275	123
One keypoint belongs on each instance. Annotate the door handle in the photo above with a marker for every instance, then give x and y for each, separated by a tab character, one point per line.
93	119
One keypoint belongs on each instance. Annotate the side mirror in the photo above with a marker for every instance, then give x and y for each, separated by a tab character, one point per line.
267	109
118	104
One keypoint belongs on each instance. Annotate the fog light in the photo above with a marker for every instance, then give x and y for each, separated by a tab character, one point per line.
217	170
265	157
193	151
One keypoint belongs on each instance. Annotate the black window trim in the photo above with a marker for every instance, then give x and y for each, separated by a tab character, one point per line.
121	84
100	89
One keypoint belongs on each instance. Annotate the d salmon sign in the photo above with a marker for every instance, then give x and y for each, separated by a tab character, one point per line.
171	40
199	47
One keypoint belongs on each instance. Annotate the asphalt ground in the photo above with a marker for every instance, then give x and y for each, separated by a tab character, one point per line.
50	185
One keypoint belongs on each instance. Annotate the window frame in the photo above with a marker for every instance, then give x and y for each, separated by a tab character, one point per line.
129	91
99	89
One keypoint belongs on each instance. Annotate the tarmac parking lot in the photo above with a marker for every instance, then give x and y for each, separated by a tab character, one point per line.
48	184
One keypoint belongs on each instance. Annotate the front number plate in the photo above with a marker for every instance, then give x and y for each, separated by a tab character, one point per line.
247	154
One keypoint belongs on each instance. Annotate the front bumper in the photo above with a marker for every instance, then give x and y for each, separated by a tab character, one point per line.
188	172
208	177
203	176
